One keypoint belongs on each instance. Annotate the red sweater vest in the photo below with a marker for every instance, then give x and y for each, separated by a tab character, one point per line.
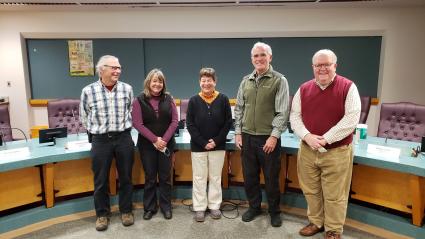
323	109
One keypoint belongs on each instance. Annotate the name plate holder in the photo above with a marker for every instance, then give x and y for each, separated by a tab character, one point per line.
388	153
78	145
15	153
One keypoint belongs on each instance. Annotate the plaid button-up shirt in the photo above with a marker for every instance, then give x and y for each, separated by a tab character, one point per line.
103	111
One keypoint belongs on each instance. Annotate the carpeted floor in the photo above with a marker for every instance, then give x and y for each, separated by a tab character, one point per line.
183	226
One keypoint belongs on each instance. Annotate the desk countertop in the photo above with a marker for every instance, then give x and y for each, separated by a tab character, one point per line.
38	154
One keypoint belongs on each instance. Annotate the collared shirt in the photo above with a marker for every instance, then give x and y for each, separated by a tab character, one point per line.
342	129
103	111
281	103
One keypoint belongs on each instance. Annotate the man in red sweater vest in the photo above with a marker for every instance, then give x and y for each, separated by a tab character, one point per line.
324	114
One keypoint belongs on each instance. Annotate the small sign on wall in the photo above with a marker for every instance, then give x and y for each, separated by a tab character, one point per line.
81	57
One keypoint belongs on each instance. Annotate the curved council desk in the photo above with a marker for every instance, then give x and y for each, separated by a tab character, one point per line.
389	181
27	171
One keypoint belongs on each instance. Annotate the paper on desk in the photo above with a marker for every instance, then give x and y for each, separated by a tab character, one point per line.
78	145
15	153
389	153
186	136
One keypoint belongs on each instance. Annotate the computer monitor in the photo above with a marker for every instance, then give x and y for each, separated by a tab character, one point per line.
50	135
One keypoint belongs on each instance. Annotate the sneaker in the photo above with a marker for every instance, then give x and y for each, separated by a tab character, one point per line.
250	214
215	213
102	223
127	219
199	216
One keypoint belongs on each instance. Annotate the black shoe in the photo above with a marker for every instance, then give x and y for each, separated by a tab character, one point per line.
167	214
275	220
250	214
148	215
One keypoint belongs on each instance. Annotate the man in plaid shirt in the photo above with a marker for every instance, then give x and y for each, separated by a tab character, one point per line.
105	111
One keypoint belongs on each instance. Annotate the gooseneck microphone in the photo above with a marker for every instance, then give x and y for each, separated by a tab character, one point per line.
3	135
386	135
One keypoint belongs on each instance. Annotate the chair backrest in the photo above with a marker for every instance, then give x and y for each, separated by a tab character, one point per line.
365	100
403	121
65	113
5	129
183	108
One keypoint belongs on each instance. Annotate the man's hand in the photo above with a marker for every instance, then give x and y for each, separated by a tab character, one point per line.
238	141
270	144
315	141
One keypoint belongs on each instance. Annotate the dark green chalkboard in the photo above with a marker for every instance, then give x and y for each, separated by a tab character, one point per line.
181	59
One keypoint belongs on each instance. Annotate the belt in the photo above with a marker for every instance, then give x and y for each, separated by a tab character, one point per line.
112	134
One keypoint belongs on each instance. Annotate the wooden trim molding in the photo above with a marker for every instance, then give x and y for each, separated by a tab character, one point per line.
39	102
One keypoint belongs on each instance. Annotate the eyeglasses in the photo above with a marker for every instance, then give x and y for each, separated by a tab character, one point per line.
326	65
114	67
259	55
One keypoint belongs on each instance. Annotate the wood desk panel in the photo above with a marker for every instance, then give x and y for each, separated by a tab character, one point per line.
138	171
19	187
292	175
183	166
72	177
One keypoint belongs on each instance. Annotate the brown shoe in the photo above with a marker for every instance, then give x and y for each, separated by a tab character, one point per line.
332	235
127	219
310	230
102	223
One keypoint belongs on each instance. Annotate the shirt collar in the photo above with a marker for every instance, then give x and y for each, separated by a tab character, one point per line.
323	87
268	74
102	85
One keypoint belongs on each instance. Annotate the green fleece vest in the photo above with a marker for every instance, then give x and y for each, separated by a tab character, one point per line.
259	110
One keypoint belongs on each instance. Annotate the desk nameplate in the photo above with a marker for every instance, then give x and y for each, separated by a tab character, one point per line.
17	153
389	153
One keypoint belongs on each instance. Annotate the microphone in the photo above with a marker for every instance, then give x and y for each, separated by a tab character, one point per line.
77	122
386	135
3	135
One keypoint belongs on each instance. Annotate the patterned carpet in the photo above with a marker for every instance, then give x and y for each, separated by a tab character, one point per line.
183	226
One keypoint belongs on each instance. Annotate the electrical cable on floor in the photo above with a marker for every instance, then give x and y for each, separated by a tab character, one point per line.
226	206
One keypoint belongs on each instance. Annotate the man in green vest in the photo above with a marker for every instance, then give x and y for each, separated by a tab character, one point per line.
261	115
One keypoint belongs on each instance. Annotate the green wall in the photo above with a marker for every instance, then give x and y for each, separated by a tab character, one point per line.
181	60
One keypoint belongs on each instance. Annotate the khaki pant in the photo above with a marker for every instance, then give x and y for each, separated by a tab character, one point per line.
325	179
207	166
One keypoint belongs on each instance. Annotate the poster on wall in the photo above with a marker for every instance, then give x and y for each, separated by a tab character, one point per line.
81	57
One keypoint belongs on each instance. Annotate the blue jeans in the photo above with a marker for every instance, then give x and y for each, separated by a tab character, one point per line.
105	147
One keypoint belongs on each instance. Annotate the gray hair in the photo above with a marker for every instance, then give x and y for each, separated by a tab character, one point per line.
262	45
208	72
102	60
325	52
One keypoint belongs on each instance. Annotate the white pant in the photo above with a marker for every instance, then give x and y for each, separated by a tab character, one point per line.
207	165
